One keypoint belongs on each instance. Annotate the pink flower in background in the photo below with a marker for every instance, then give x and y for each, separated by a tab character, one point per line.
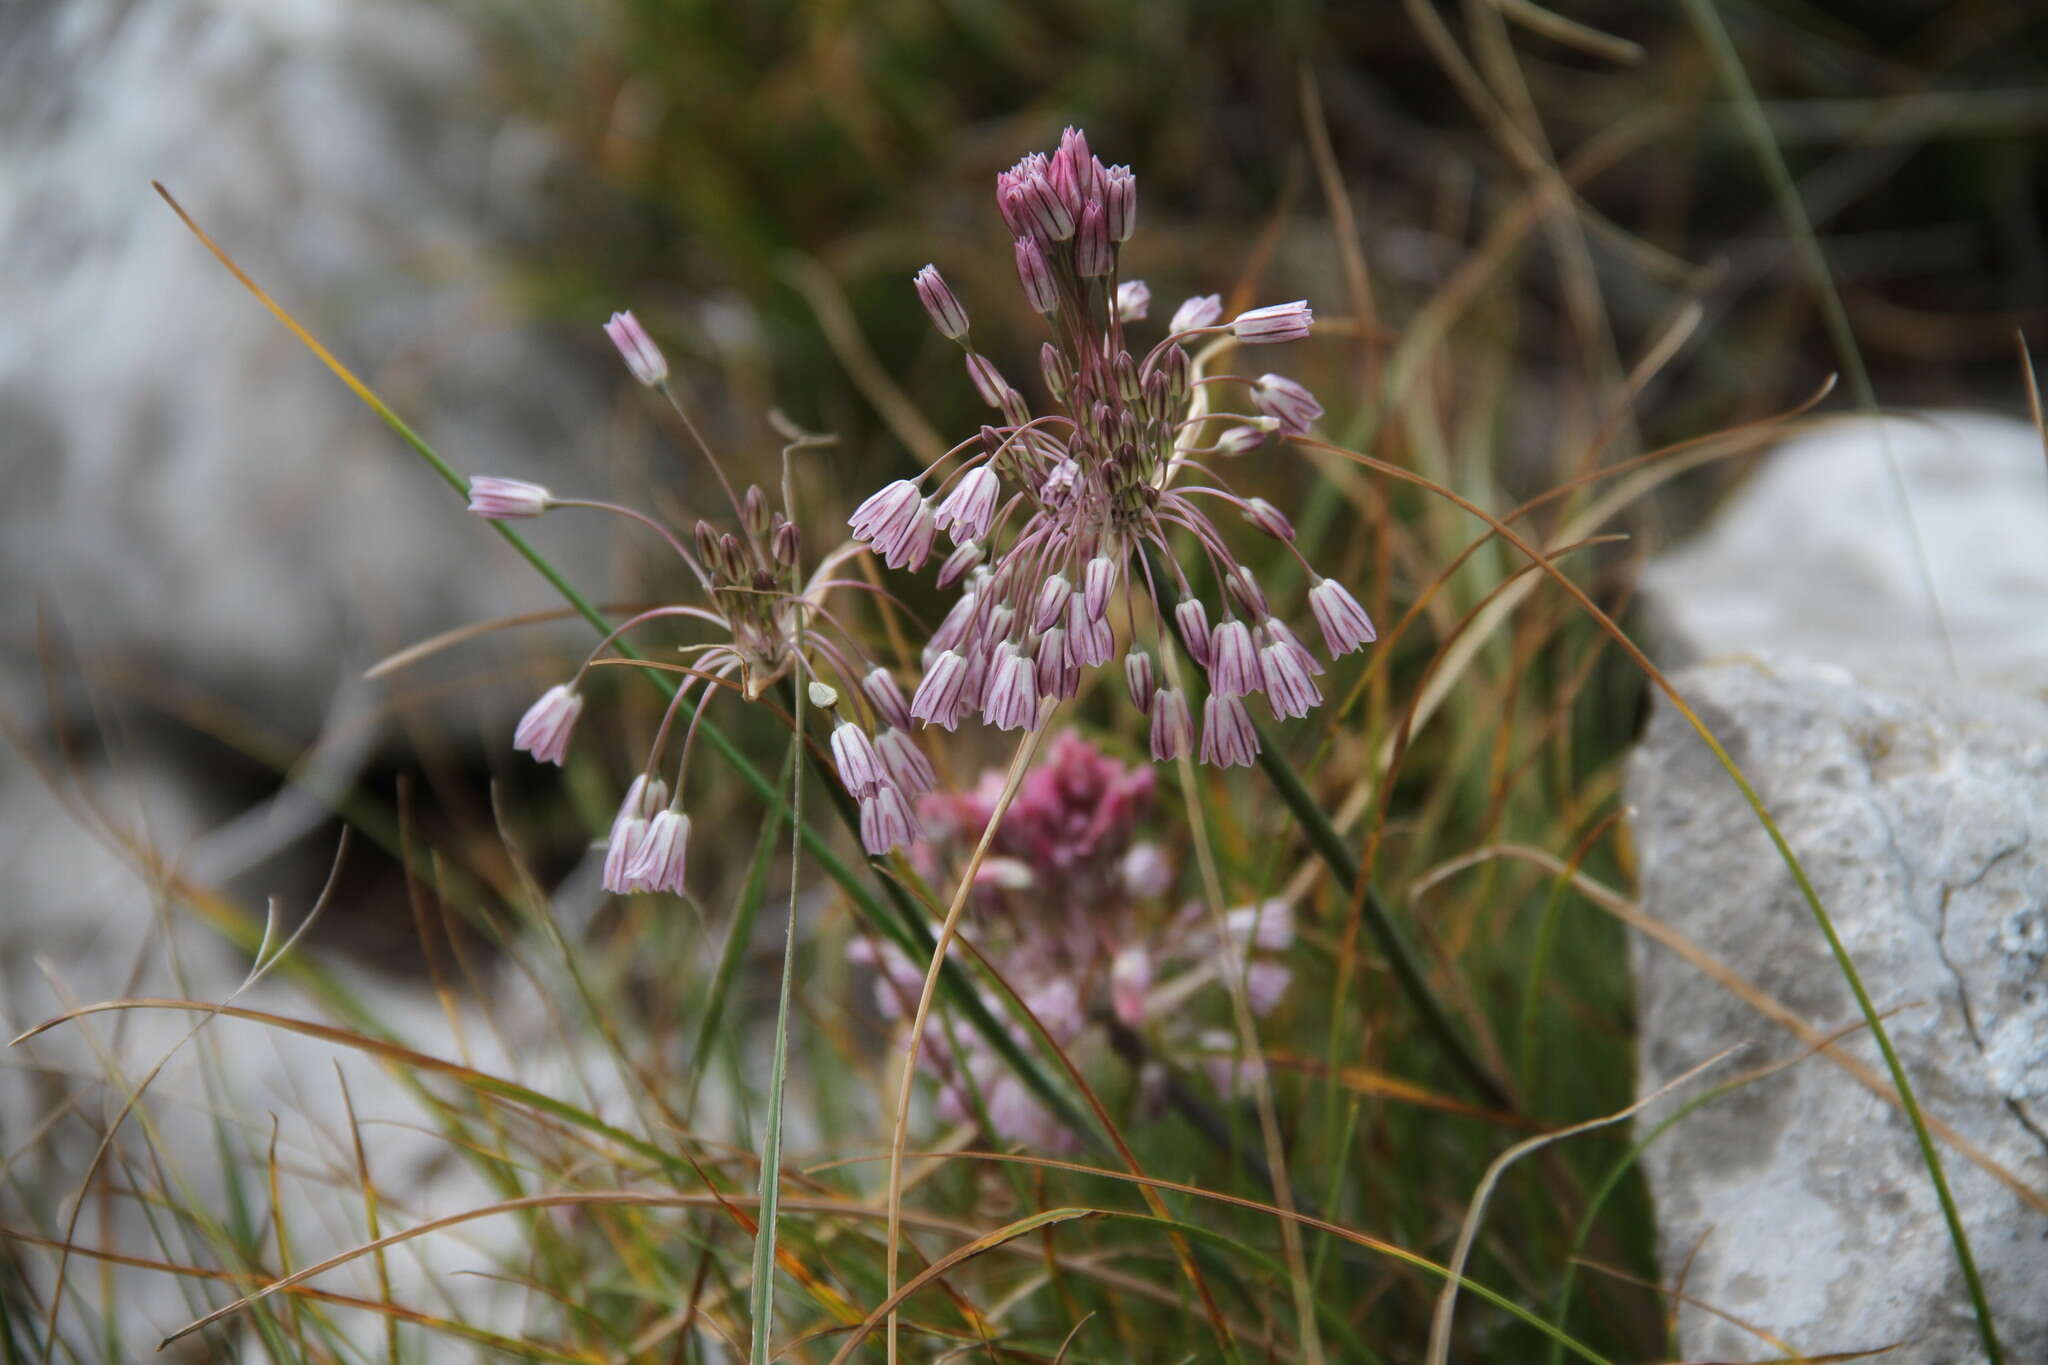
1073	909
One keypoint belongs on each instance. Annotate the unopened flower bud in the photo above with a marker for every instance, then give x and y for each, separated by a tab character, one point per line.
1120	202
1275	322
1138	677
496	499
1269	519
1128	386
988	380
788	545
1057	369
1133	301
939	300
754	510
1036	276
1193	620
641	355
1200	311
1093	254
1287	402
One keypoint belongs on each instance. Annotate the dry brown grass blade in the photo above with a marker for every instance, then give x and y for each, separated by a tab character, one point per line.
1447	1298
395	1312
1365	1080
448	639
988	1241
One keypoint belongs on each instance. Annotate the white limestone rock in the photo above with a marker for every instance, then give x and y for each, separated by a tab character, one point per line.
1814	556
1800	1204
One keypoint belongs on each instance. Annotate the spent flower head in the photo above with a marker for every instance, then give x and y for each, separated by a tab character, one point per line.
1065	522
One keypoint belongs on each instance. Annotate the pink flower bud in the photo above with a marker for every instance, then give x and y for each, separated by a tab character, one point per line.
1293	406
1098	581
1269	519
906	764
1120	202
988	380
1200	311
939	300
1173	729
1133	301
860	767
1052	601
641	355
1146	871
1036	276
1289	689
1275	322
1240	439
496	499
959	562
662	853
1193	619
1228	739
1093	254
1233	662
938	699
968	509
1345	625
886	821
886	515
1138	677
545	728
886	697
1012	699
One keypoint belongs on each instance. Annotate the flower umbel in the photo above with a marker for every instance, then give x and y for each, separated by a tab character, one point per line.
1066	521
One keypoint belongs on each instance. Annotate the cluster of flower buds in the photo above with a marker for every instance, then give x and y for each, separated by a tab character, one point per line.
763	616
1071	908
1057	520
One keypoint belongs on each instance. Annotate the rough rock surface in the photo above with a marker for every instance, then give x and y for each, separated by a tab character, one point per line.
1799	1204
1814	557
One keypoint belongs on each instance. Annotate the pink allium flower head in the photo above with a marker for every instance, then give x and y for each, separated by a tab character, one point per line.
1133	301
1138	677
1345	625
1036	276
641	355
886	820
883	693
1290	690
1201	311
1228	739
662	853
1173	729
1052	601
1067	508
1130	976
545	728
1233	662
1293	406
968	509
939	300
496	499
1265	986
1269	519
860	767
1275	322
1193	619
905	763
1012	699
939	698
1269	925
